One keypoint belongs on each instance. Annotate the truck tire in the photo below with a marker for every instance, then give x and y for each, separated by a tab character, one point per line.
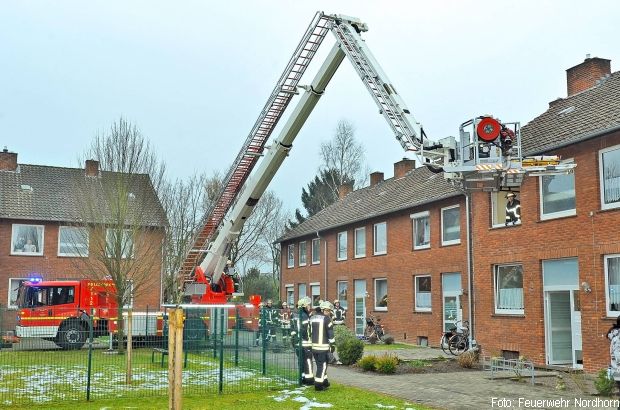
71	335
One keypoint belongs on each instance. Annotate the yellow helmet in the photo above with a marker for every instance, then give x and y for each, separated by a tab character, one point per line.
303	302
326	305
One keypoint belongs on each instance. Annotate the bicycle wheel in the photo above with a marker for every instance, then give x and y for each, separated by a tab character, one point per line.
444	343
458	345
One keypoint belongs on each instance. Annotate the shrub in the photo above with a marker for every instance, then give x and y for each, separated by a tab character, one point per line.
468	359
386	364
388	340
604	385
350	350
341	333
367	363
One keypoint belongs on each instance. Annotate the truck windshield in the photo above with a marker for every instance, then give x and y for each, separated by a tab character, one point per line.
33	296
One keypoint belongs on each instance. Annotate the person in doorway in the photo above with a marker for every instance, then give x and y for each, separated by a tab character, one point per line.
323	342
613	334
300	338
513	209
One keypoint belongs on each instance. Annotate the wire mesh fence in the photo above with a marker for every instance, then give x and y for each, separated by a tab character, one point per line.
74	356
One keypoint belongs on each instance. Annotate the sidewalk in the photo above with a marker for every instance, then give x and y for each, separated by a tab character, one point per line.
459	390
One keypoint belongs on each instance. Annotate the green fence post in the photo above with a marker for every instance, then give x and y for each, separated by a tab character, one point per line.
300	352
90	352
263	322
224	313
214	321
237	329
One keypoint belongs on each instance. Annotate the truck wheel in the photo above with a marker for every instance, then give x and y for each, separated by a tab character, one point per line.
71	335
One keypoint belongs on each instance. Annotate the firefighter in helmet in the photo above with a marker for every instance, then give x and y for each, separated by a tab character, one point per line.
323	342
513	209
300	334
285	321
340	313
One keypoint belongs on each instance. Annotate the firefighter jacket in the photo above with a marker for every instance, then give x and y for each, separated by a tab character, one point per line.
300	328
271	315
513	211
340	314
285	318
322	332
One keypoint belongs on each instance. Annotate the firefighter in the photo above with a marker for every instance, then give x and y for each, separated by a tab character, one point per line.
259	332
340	313
323	342
513	209
272	320
230	270
300	331
285	320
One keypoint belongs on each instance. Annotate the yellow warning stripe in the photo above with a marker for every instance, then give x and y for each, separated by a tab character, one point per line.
44	318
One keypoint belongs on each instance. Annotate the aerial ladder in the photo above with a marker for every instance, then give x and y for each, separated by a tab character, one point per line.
487	155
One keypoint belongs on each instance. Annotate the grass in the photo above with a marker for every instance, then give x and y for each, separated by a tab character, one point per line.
393	346
339	396
417	363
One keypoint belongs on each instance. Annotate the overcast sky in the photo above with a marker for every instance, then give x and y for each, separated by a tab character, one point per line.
194	75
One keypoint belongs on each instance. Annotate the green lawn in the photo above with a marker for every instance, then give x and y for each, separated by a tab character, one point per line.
393	346
339	396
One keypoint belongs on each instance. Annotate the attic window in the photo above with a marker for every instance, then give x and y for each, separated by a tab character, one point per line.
27	188
567	110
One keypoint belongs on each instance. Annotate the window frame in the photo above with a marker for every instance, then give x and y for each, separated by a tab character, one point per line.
315	286
8	299
290	295
305	287
499	221
127	233
374	247
290	255
343	302
376	305
415	294
316	241
74	255
497	310
42	240
342	234
418	216
452	241
355	254
304	253
609	312
559	214
601	152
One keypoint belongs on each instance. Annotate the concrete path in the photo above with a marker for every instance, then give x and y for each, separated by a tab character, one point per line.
461	390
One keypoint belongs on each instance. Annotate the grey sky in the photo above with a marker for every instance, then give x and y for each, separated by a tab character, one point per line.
193	75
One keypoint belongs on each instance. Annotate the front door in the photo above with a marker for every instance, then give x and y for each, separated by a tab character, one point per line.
360	306
563	328
451	288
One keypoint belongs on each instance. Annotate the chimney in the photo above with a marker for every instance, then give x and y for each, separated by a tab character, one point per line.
91	168
375	178
345	189
402	167
585	75
8	160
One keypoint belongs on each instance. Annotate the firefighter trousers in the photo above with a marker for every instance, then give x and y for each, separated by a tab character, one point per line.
306	365
320	376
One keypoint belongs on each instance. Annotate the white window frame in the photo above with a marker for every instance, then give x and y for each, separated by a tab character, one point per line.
416	291
303	253
417	216
305	288
127	235
613	205
559	214
316	244
10	288
42	240
343	300
315	286
290	295
497	310
375	251
84	234
341	246
610	313
453	241
498	217
363	230
290	256
377	307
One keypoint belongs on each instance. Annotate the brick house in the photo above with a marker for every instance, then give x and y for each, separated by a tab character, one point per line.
38	213
546	288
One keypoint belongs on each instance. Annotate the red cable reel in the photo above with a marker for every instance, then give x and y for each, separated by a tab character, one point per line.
488	129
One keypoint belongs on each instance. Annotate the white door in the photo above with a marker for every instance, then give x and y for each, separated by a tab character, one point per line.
559	327
360	306
451	288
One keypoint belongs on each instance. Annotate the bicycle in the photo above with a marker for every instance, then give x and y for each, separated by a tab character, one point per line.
455	342
373	331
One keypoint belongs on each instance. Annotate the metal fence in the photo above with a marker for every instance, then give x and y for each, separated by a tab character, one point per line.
226	349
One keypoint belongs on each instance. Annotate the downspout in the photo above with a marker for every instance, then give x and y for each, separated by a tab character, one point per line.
470	269
325	297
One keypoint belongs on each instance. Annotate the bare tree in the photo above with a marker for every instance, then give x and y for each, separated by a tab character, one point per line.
120	212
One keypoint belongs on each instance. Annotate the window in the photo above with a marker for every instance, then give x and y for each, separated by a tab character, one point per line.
316	251
302	253
381	300
316	294
27	240
557	196
609	169
342	293
450	225
380	246
72	241
290	296
612	284
421	230
14	284
342	246
360	242
509	289
119	242
422	293
302	290
291	256
498	209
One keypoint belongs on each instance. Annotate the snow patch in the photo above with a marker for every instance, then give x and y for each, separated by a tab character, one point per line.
381	406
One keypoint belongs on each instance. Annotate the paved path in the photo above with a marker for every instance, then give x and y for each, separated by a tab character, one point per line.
458	390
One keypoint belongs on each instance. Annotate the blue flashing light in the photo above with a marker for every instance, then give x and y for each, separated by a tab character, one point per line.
35	279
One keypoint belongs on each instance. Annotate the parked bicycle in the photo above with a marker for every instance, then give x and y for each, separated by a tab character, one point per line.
456	340
373	331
